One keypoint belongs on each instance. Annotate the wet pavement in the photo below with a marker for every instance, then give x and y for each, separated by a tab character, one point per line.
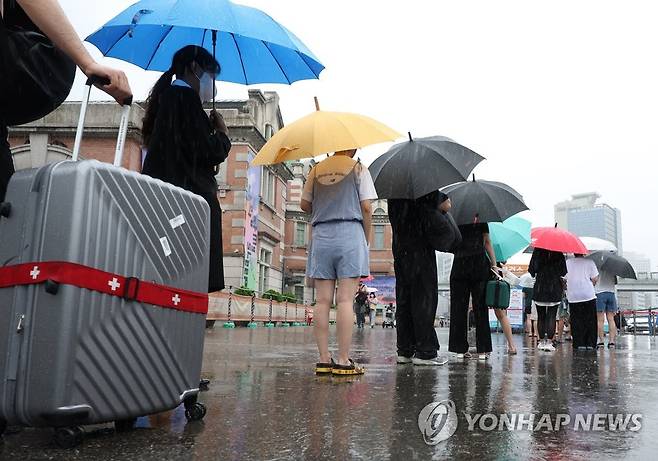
265	403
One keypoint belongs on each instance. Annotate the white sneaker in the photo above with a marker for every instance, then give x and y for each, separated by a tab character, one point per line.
466	355
483	356
549	347
402	359
436	361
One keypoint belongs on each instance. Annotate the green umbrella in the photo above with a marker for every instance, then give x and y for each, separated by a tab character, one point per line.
509	237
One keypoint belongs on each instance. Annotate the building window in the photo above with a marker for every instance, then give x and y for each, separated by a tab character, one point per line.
299	293
264	263
378	243
300	234
268	186
59	143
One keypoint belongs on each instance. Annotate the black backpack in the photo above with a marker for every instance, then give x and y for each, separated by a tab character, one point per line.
361	297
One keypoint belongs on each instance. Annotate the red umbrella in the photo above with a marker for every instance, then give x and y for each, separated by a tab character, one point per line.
556	239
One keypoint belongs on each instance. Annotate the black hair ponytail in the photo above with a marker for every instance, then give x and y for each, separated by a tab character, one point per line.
152	104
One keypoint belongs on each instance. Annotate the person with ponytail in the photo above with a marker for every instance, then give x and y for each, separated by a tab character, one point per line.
183	144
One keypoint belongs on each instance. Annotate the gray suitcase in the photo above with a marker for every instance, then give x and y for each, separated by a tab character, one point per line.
71	356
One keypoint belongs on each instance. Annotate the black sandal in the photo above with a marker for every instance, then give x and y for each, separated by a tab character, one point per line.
611	345
600	346
324	368
347	370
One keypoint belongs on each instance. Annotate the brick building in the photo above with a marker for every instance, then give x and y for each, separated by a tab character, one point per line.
251	123
283	232
50	139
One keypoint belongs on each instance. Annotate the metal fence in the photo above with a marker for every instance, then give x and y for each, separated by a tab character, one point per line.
638	321
232	308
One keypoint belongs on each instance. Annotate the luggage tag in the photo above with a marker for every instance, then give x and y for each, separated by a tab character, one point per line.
165	246
177	221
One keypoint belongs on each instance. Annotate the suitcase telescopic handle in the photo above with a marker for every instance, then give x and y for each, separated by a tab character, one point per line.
123	126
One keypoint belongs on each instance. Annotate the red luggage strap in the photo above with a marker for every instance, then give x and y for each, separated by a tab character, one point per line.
129	288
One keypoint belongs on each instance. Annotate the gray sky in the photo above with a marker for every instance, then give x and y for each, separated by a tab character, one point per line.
561	97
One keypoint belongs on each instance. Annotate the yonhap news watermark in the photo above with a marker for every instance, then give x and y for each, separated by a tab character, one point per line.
439	421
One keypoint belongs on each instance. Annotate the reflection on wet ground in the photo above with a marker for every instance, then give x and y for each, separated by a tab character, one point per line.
265	403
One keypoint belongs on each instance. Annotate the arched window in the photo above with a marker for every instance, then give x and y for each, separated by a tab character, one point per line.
269	131
59	143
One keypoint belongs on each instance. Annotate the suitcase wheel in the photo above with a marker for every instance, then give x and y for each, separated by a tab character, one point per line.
125	425
195	412
69	437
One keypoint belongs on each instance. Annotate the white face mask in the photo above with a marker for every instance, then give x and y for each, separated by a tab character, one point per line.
207	89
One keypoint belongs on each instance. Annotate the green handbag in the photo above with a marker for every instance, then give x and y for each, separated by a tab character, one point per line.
498	293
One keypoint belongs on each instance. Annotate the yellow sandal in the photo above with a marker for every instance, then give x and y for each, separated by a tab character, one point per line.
347	370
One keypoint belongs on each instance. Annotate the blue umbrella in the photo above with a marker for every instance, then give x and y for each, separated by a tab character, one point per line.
250	46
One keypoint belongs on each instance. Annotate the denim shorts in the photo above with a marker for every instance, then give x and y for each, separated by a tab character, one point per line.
563	310
606	302
338	251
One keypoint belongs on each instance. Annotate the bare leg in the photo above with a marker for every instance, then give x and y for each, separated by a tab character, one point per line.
325	295
600	318
501	315
560	329
528	326
346	290
612	327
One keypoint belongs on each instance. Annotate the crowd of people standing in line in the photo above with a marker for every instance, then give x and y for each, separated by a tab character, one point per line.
562	291
338	199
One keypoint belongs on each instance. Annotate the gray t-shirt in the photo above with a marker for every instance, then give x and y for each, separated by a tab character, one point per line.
606	283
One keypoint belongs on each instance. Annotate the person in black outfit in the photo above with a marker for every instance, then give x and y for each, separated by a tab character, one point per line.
47	17
420	227
548	268
471	269
527	311
184	144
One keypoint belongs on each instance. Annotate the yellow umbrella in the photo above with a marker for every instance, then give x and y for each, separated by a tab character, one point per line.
322	132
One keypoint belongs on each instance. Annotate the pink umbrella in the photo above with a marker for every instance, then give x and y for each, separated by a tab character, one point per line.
556	239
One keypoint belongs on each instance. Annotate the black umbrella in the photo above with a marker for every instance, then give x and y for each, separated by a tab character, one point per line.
484	201
419	166
613	264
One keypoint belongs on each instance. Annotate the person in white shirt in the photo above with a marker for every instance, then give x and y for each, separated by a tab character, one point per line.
606	306
582	275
